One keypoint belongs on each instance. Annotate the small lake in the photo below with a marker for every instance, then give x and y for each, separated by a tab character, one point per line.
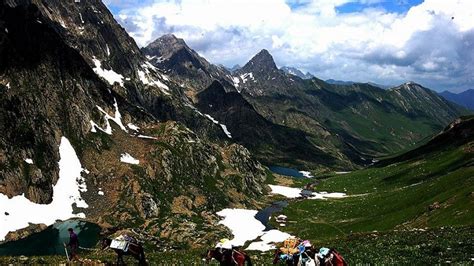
264	215
50	241
286	171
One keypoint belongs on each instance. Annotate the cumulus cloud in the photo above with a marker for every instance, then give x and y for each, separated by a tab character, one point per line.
432	43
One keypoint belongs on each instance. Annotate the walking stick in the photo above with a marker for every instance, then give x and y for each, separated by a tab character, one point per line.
65	249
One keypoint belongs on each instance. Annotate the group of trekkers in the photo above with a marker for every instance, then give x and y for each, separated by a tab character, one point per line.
292	251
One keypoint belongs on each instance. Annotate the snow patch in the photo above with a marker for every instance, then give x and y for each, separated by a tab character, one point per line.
117	119
268	240
132	127
127	158
101	193
236	81
212	119
29	161
146	137
247	76
243	225
291	192
147	79
342	172
288	192
109	75
306	174
17	212
107	49
82	20
224	128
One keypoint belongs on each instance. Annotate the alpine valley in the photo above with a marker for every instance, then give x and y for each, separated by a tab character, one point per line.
158	143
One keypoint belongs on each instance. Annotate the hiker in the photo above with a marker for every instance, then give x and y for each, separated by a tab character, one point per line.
73	244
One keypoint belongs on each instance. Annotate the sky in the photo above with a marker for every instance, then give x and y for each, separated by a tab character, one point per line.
430	42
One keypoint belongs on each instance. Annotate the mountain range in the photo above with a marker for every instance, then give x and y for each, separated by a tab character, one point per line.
352	123
164	138
465	98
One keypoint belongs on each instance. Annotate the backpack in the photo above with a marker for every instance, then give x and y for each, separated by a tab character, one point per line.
338	260
290	246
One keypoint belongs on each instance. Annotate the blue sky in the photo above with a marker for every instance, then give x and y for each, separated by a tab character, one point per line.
389	42
397	6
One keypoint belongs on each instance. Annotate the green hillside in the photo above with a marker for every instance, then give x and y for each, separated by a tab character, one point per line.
428	188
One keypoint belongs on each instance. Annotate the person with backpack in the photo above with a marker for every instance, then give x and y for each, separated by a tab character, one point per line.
73	244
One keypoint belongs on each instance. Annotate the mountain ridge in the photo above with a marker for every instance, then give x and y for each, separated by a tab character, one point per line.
315	106
465	98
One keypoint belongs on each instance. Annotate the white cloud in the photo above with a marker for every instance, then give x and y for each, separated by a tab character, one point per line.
373	44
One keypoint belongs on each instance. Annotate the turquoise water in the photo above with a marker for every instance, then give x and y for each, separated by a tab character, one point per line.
50	241
286	171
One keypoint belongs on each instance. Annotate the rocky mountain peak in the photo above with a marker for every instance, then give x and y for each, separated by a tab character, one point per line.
261	61
167	43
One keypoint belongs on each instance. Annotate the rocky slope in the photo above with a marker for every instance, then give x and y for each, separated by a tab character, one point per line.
69	70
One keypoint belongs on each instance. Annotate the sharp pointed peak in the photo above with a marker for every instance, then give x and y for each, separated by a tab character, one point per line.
168	40
262	60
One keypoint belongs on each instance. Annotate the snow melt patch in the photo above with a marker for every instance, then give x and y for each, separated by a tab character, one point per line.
132	127
29	161
212	119
110	75
245	77
292	193
268	240
342	172
117	118
306	174
127	158
288	192
16	213
147	79
107	49
236	81
82	20
243	225
226	131
146	137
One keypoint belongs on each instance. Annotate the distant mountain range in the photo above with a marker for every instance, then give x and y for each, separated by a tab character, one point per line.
297	72
465	98
340	82
349	122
